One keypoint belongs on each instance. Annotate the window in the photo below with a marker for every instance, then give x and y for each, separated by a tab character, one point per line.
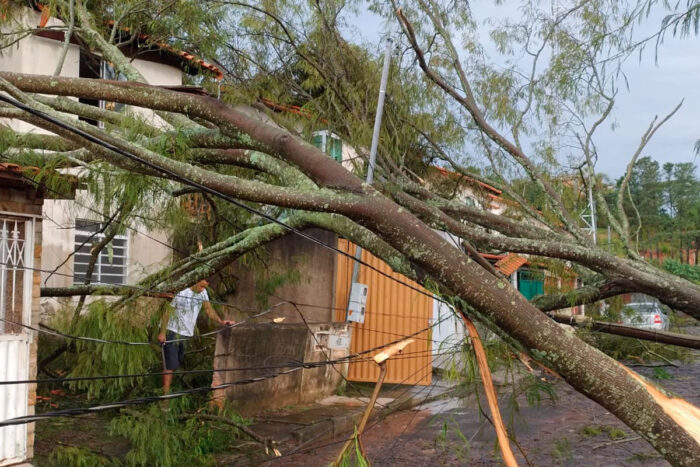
15	275
328	143
93	67
110	267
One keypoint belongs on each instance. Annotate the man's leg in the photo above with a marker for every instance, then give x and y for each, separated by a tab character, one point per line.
171	360
167	379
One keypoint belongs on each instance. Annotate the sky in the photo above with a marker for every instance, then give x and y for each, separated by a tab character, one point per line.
656	84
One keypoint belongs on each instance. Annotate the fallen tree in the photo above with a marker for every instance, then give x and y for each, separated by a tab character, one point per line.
341	192
394	220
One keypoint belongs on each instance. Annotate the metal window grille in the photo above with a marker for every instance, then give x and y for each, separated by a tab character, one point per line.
12	272
110	267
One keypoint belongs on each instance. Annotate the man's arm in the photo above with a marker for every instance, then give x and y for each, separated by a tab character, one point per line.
167	310
213	315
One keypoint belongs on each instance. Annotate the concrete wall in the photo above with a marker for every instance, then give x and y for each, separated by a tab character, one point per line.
315	286
255	345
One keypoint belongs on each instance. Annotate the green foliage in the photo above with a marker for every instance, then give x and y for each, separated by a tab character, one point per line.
616	434
460	447
267	283
661	373
131	324
596	430
623	348
561	451
79	457
173	436
686	271
353	457
536	390
591	430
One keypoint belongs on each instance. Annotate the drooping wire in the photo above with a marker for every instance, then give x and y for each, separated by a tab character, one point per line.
51	331
145	400
211	191
372	424
341	360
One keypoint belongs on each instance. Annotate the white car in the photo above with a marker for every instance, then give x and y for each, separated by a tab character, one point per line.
648	315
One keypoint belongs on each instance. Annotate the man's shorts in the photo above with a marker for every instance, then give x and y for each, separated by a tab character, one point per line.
173	352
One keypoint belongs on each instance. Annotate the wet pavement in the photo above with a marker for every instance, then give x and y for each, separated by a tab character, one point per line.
572	431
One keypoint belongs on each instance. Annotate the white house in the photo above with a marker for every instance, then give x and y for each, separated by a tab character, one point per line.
35	237
68	223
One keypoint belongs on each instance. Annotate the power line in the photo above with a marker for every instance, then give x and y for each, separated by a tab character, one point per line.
145	400
349	358
211	191
55	332
342	440
340	360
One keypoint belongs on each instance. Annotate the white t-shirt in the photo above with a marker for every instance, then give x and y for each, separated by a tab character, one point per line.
187	305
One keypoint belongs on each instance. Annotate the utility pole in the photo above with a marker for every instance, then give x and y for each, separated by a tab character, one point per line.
589	214
372	157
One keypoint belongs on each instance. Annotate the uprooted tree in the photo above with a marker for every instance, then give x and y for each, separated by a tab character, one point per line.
439	108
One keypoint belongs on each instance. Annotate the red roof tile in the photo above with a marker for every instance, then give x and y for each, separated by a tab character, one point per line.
20	176
510	263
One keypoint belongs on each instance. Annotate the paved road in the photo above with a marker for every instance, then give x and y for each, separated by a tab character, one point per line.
573	431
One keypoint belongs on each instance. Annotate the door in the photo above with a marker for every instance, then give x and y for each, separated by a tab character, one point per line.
530	283
16	261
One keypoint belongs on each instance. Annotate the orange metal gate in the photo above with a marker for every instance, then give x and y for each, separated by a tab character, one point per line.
392	312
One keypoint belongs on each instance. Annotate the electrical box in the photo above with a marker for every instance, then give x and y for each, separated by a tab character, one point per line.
358	299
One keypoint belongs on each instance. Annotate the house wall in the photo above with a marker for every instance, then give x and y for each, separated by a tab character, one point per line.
147	250
25	201
307	270
38	55
272	345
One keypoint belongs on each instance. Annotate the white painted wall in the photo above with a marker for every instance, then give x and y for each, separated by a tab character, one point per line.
38	55
447	335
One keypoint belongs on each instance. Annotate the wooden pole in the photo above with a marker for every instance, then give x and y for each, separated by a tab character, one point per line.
491	397
380	359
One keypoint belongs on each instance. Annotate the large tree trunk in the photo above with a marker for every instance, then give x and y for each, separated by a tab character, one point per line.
622	392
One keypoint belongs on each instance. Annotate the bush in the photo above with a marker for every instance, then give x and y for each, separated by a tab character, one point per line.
686	271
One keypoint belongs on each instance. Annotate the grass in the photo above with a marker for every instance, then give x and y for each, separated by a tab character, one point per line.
597	430
562	450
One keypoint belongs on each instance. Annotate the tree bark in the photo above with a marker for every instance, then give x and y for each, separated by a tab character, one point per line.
592	373
672	338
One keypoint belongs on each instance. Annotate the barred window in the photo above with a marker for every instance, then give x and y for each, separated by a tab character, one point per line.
111	263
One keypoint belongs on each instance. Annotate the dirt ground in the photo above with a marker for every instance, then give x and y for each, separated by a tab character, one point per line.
573	431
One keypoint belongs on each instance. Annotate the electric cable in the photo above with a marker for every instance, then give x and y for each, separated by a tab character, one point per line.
145	400
211	191
142	400
51	331
370	425
340	360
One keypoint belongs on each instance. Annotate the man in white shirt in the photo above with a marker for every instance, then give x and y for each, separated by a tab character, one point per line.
180	323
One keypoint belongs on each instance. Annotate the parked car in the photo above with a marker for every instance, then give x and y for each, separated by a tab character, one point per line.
647	315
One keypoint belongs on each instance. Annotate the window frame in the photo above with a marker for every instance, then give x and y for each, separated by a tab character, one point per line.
326	137
97	274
